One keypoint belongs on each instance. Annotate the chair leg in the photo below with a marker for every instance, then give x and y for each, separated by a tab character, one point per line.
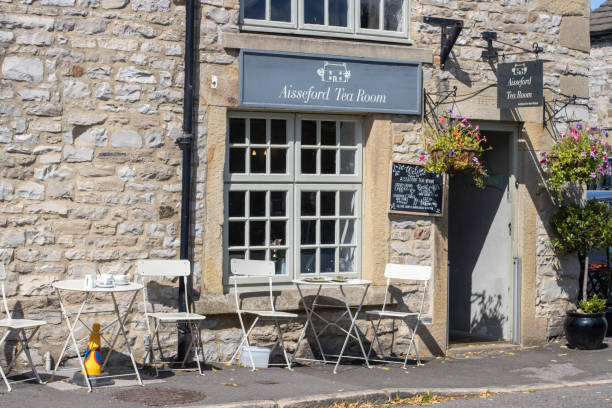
23	339
413	343
380	347
189	345
282	344
199	345
245	337
8	386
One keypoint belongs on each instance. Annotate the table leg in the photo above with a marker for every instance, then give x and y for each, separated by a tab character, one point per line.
309	312
352	327
71	334
76	320
112	345
127	343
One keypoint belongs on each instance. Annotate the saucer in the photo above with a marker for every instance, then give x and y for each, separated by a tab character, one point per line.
105	285
122	283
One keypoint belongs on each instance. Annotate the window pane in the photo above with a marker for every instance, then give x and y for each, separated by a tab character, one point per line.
258	160
280	264
328	203
236	160
258	204
328	260
309	161
314	12
280	10
308	259
258	255
347	231
236	233
236	203
236	254
237	131
347	134
370	12
258	131
309	132
278	161
278	131
347	203
309	203
328	231
277	203
257	233
255	9
328	161
338	12
277	233
309	232
328	133
347	162
347	260
393	15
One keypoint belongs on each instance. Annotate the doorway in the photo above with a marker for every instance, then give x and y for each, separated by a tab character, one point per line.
480	248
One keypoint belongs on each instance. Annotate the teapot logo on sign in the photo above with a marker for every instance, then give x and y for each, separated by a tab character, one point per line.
334	72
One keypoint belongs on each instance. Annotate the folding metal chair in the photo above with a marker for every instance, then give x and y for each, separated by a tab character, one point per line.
250	268
19	326
169	269
405	273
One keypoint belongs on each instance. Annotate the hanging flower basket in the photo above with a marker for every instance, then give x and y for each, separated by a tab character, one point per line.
455	147
578	156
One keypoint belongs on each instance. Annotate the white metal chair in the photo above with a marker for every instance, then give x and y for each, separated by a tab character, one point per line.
169	269
19	326
249	268
405	273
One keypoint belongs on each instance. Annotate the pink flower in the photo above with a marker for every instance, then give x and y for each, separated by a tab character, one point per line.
421	158
543	161
475	159
593	175
583	154
441	120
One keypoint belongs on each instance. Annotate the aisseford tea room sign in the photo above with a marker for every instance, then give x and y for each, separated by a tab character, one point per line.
520	84
321	82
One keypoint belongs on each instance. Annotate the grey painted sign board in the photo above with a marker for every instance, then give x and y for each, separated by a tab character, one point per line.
520	84
331	83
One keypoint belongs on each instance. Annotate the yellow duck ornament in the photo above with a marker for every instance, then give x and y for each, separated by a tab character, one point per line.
93	357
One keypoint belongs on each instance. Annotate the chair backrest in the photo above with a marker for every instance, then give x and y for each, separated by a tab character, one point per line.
168	268
245	268
408	273
4	301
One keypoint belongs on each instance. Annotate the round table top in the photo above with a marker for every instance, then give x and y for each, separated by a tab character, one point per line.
78	285
329	282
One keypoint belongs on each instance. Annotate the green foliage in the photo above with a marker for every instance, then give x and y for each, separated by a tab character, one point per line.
582	228
593	305
455	147
578	156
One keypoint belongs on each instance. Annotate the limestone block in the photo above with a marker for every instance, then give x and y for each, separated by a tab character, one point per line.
129	93
62	191
48	207
134	254
46	125
72	227
126	173
151	6
40	235
23	69
6	37
89	213
101	72
126	138
58	3
156	173
50	254
31	191
92	137
218	15
6	191
165	96
97	171
26	138
154	138
103	91
27	254
91	26
163	253
12	239
36	285
135	30
117	44
173	50
82	118
79	270
34	38
75	89
574	33
115	268
77	154
143	214
114	4
33	94
574	85
5	135
133	74
7	109
6	255
44	109
11	21
563	7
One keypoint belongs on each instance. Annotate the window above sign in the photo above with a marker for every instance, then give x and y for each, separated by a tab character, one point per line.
382	20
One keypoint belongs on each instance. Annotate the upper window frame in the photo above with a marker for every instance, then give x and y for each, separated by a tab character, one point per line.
352	31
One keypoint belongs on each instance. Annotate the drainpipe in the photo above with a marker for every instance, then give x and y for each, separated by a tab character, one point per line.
185	144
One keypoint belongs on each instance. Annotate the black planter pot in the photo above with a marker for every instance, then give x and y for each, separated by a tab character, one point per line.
585	330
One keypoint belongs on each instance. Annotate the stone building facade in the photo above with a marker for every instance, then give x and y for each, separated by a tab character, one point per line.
91	106
601	61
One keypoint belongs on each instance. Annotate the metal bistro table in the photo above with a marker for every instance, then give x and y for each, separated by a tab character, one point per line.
79	286
352	316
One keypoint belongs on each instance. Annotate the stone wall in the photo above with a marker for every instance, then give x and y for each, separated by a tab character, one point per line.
91	104
600	80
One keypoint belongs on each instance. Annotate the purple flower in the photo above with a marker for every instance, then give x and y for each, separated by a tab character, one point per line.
606	133
452	153
593	175
475	159
579	126
583	154
450	111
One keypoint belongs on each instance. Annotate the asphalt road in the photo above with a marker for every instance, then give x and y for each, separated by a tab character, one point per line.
583	397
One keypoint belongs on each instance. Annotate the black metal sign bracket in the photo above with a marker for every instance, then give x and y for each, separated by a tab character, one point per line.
432	105
553	107
491	53
450	32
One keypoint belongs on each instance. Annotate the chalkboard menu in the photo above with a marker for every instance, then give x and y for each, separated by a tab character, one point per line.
414	190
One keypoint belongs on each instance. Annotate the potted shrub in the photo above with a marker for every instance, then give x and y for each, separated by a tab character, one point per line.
455	146
578	156
586	327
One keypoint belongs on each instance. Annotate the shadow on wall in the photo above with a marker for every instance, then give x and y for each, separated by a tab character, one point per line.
491	316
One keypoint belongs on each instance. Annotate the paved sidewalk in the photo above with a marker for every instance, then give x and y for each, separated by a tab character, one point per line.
505	370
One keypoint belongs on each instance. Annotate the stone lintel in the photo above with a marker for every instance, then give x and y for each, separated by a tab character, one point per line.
326	46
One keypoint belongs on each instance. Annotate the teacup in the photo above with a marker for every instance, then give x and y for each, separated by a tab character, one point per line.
105	279
120	279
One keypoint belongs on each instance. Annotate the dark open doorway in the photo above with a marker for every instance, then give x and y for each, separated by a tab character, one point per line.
480	250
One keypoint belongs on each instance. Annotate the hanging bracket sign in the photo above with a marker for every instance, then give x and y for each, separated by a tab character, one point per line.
520	84
415	191
284	80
